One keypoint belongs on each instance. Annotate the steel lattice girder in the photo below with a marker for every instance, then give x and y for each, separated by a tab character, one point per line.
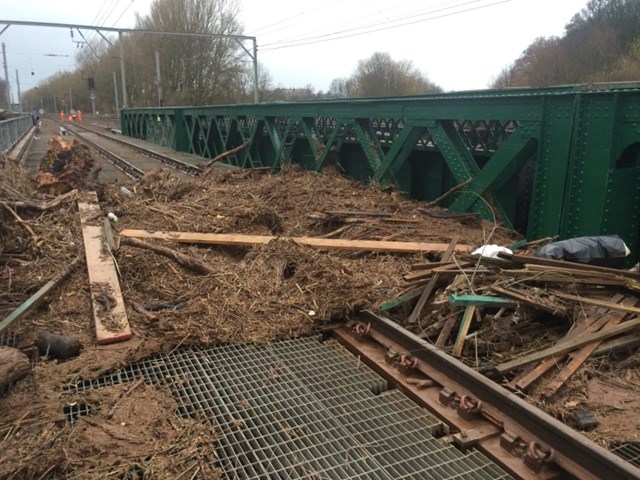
556	161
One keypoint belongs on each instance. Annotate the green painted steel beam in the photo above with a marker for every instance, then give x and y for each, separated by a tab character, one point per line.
402	147
555	161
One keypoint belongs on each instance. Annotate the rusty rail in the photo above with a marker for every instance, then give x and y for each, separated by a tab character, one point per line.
482	414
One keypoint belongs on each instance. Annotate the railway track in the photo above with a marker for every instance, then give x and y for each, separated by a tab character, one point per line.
480	413
138	161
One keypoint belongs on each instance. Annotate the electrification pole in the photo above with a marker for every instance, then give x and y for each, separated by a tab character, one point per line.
7	93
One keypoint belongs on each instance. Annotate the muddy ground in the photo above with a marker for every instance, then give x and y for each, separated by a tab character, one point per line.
260	294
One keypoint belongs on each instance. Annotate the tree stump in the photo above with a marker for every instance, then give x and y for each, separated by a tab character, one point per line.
14	365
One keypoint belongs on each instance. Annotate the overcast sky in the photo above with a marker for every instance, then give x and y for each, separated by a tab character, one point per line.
458	44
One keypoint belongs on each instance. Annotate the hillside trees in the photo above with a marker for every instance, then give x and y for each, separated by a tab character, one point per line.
598	46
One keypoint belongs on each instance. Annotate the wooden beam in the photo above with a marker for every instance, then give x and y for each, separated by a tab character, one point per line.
599	303
236	239
426	293
464	329
565	347
110	316
480	300
523	381
579	357
564	264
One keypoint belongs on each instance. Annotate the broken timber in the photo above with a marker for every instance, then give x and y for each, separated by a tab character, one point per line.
109	313
313	242
565	347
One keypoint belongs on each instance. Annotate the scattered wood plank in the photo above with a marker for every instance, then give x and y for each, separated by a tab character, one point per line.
391	304
600	303
35	299
523	298
447	267
480	300
523	381
446	331
565	347
313	242
464	329
110	316
564	264
579	357
426	293
185	260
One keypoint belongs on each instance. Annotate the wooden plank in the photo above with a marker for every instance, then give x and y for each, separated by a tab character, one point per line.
567	346
426	293
599	303
564	264
35	299
523	381
464	329
480	300
112	324
313	242
400	300
524	299
579	357
449	267
446	331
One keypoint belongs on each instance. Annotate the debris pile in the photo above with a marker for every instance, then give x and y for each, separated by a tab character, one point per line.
258	293
177	289
549	329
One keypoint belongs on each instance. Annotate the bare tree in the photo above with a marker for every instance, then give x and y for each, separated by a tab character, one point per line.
195	70
380	76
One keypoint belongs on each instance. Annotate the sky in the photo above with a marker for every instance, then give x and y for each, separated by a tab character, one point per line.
457	44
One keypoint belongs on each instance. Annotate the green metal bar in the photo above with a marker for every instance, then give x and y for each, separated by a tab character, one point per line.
500	168
400	150
369	143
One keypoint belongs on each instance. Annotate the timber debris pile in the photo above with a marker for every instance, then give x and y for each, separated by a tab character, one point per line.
250	256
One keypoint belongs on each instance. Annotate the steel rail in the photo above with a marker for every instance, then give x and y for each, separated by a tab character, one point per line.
514	417
173	162
129	169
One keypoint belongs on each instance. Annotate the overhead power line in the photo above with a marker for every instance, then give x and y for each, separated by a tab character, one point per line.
354	33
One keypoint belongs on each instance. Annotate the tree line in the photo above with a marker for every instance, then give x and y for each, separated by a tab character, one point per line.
601	43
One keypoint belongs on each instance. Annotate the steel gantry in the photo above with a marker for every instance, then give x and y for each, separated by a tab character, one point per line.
555	161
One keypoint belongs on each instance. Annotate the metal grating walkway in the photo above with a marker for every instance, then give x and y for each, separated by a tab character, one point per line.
302	409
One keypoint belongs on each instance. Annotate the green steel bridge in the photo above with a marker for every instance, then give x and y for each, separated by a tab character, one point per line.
555	161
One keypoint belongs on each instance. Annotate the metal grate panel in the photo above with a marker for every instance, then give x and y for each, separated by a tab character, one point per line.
629	451
301	409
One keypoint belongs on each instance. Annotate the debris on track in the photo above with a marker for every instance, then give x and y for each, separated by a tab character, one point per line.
278	290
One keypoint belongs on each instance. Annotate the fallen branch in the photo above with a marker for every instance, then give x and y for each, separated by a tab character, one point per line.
228	153
22	223
448	193
37	297
184	260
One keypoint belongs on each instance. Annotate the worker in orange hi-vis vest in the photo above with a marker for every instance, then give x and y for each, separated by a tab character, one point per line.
71	118
62	115
79	116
